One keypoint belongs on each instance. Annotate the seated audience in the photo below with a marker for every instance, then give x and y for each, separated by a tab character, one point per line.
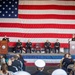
73	37
40	64
66	61
47	46
28	46
59	72
10	67
18	46
57	46
2	59
20	58
17	63
4	70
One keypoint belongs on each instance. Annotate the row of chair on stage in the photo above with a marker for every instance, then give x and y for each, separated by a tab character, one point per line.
29	49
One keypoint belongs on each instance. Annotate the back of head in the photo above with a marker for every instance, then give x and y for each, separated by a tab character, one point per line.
15	57
22	73
59	72
4	68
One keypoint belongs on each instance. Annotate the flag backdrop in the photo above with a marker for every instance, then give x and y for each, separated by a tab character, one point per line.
37	21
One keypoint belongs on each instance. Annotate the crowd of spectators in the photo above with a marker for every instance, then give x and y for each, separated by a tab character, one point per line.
15	65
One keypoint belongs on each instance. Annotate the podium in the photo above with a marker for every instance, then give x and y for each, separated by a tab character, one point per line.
72	47
3	47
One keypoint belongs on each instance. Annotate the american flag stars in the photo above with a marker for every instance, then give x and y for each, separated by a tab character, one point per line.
8	8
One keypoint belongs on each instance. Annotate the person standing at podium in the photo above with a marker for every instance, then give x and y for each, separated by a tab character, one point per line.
5	38
73	37
57	46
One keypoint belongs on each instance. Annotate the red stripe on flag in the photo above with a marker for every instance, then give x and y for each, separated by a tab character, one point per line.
35	35
17	25
44	7
46	16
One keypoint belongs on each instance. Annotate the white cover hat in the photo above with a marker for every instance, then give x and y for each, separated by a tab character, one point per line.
22	73
59	72
40	63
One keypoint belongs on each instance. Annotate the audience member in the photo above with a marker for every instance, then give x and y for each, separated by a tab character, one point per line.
40	64
66	61
16	63
4	70
10	67
28	46
20	58
18	46
57	46
59	72
47	46
2	59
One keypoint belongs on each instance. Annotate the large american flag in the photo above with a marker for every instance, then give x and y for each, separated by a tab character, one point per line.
37	20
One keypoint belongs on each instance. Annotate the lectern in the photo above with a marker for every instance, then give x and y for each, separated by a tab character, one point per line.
3	47
72	47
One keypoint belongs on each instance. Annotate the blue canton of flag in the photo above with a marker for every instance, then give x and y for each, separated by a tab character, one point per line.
8	8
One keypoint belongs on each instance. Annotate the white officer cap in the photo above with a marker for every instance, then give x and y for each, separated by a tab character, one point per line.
21	73
40	63
59	72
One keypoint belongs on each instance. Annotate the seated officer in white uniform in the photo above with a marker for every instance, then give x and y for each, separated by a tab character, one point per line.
40	64
59	72
21	73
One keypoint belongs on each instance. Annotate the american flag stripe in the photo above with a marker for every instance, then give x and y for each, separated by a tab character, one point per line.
46	7
48	16
41	20
38	21
17	25
46	2
37	35
38	31
46	12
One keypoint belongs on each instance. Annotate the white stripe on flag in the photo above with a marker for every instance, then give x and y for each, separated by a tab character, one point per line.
39	30
44	12
26	2
37	40
38	21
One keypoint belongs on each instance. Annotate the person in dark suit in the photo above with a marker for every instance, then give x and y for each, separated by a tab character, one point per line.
5	38
20	58
16	63
10	67
18	46
57	46
73	37
47	46
40	64
66	62
28	46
